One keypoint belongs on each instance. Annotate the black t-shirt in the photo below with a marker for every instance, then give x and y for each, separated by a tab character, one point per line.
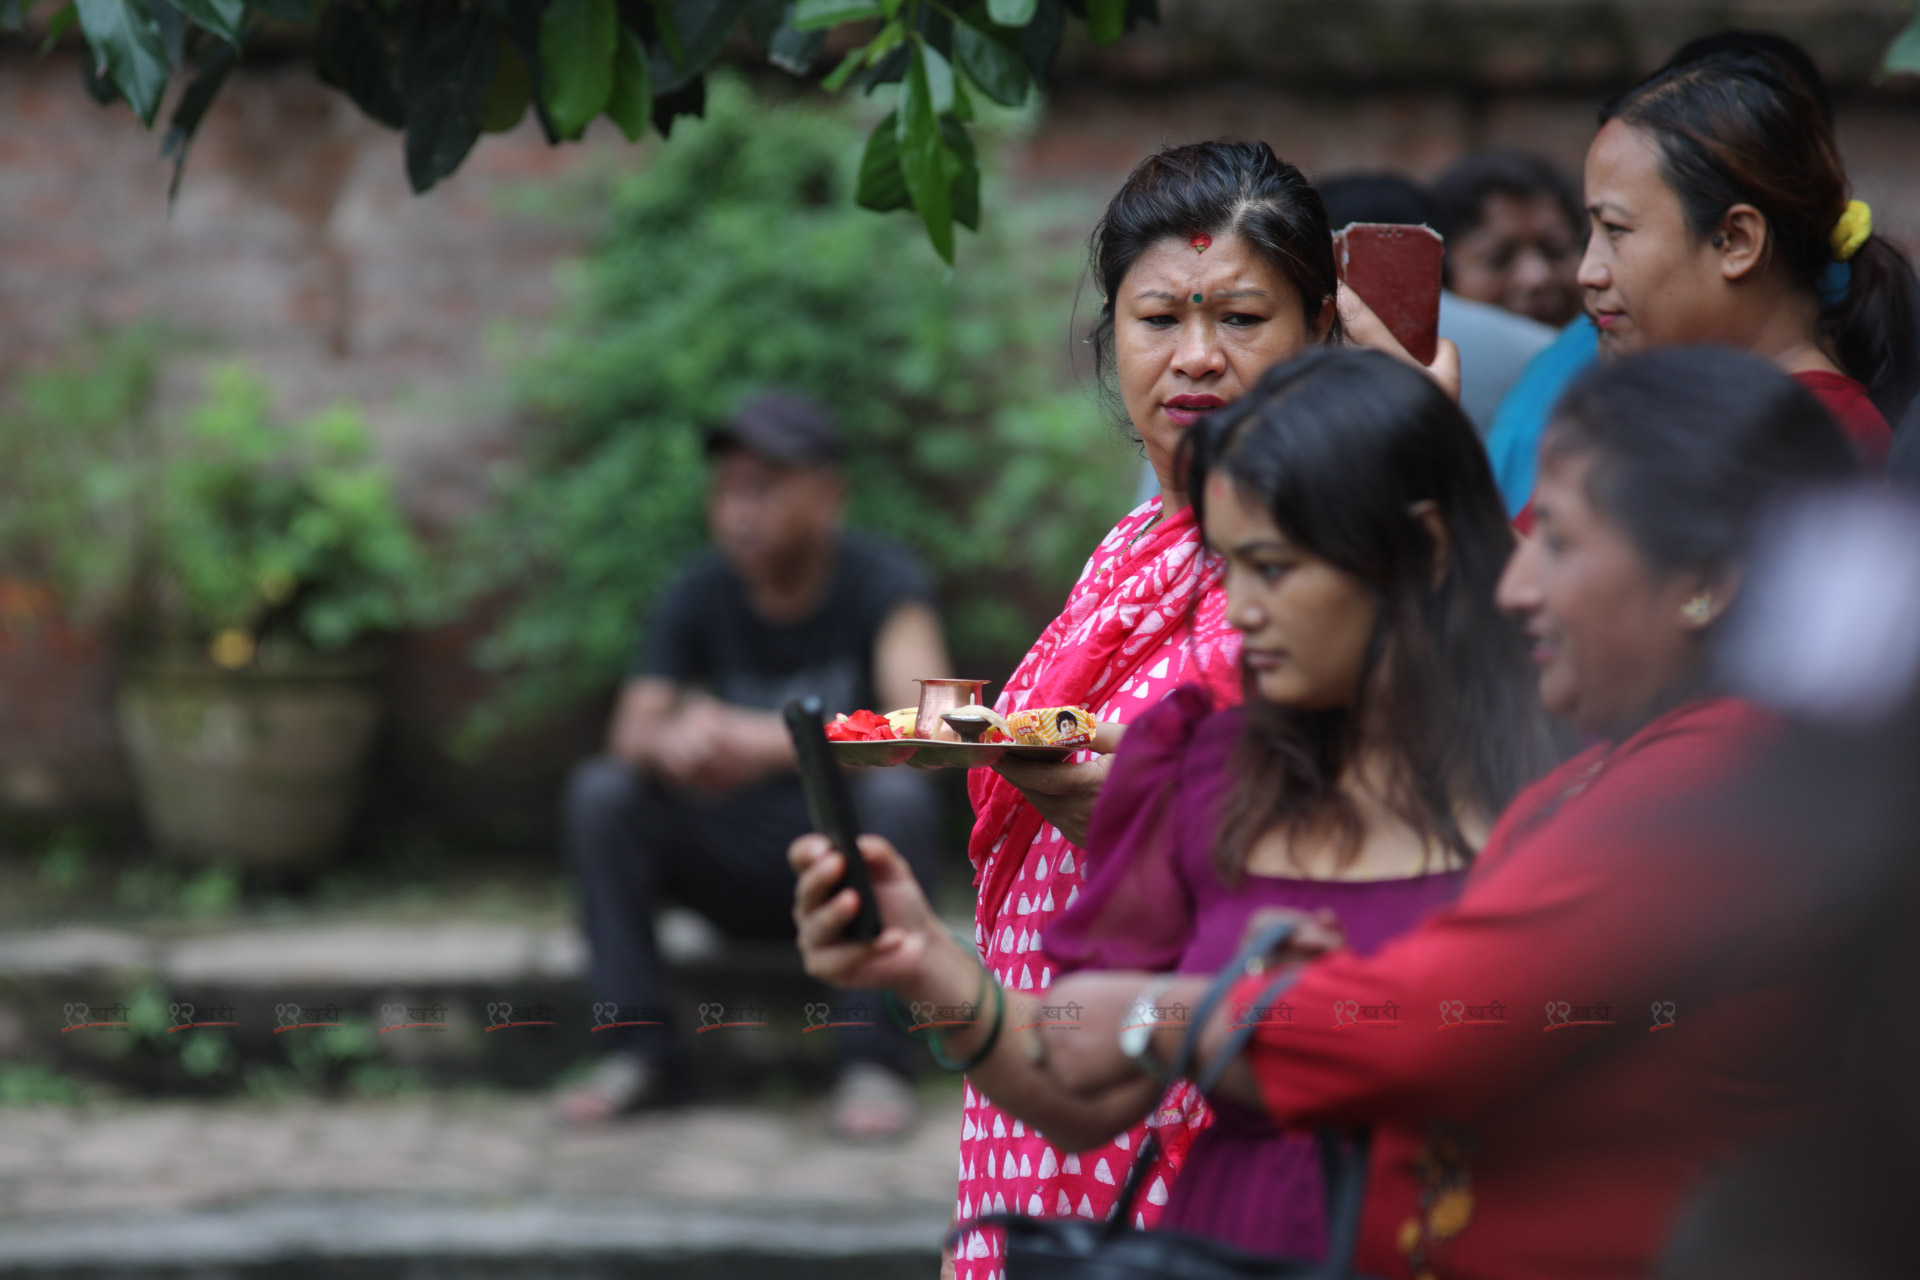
706	634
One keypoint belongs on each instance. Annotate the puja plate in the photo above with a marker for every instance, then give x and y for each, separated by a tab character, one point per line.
925	753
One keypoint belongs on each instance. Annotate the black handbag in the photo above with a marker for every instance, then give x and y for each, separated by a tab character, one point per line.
1079	1249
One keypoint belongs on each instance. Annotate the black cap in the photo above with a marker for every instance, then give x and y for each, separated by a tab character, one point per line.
783	427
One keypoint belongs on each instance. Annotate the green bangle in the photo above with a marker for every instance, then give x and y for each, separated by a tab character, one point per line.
993	1032
901	1018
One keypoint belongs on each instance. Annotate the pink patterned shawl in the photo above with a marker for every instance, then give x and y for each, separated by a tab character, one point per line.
1146	617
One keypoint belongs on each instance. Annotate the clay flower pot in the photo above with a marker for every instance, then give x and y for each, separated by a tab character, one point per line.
257	768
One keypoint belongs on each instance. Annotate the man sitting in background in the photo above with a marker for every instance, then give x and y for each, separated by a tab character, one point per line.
697	796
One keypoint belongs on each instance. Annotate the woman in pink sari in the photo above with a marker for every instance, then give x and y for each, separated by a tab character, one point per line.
1214	262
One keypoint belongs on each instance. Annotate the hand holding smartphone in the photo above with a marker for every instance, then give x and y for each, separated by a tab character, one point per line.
830	807
1396	271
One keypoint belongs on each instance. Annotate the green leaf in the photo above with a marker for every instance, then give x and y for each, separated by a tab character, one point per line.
882	187
884	42
511	90
838	77
127	45
172	26
222	17
577	43
350	54
216	62
1904	54
966	173
1011	13
93	78
939	77
519	27
999	71
818	15
58	25
1039	41
631	104
794	50
667	29
923	158
703	26
445	93
1106	19
962	101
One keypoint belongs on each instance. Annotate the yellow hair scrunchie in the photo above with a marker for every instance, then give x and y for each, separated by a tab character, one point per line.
1855	225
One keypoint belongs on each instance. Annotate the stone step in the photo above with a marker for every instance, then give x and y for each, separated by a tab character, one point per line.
480	1184
556	1240
452	1001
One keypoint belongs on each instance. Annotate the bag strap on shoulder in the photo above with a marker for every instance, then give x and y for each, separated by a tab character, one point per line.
1260	944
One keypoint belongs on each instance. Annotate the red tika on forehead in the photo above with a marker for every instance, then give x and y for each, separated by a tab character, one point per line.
1200	242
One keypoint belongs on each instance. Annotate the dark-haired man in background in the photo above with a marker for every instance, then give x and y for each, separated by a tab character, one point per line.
1495	345
1514	231
697	797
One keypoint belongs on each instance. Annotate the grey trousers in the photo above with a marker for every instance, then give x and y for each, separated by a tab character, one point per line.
633	843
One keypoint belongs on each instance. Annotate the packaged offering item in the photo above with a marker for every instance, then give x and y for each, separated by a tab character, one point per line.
1052	726
861	726
902	721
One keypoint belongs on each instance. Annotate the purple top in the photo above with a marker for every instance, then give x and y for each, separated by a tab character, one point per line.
1153	901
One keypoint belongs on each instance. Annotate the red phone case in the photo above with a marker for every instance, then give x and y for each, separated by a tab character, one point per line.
1396	270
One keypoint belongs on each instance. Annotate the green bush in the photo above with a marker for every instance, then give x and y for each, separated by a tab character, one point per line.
74	439
736	260
277	530
223	525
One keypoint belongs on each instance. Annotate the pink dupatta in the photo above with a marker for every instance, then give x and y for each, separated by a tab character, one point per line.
1145	585
1146	617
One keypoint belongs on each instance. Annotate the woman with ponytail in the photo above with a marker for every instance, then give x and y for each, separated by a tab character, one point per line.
1720	214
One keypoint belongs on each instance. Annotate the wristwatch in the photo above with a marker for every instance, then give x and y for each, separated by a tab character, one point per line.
1137	1027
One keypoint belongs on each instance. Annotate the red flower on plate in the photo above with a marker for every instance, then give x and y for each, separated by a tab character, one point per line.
861	726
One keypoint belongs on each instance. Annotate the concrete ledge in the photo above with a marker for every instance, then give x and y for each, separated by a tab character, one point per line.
74	951
371	954
539	1232
353	954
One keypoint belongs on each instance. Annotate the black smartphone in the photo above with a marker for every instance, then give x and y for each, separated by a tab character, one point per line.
830	806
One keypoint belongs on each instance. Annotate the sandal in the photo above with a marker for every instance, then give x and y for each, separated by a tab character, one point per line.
870	1101
622	1084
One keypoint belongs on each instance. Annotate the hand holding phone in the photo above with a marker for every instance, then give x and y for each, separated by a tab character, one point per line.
1396	271
830	807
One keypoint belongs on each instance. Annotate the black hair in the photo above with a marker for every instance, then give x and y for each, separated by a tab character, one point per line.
1374	197
1903	460
1339	446
1460	194
1740	128
1690	444
1215	189
1769	44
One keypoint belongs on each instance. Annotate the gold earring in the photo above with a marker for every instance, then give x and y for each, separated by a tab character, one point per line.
1699	610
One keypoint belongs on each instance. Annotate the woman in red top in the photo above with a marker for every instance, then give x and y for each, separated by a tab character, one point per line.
1550	1064
1720	214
